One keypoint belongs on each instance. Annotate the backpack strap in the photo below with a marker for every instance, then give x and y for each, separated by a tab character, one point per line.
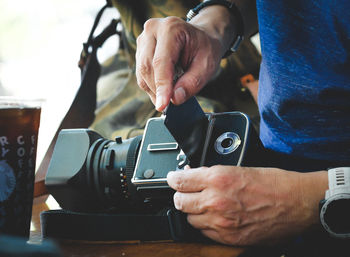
82	110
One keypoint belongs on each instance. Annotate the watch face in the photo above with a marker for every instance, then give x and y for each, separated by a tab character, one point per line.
337	216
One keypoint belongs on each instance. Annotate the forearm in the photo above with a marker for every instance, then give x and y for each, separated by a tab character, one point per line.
297	196
220	23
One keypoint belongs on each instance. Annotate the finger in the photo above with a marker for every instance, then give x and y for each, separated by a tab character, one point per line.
212	234
144	70
144	86
217	234
190	180
189	202
152	97
163	80
166	55
210	220
235	237
197	222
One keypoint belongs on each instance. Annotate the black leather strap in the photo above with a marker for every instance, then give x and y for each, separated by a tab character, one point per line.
170	224
103	227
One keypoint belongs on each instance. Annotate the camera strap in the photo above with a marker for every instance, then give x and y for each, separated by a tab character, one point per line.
81	113
169	224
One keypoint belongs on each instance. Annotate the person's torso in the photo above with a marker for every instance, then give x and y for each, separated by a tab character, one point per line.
304	85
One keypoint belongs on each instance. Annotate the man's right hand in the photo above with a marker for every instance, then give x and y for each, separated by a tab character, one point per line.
169	42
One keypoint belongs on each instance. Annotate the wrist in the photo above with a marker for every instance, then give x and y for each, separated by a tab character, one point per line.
312	187
299	194
218	23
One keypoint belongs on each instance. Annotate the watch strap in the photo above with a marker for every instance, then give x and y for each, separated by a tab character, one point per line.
336	221
338	181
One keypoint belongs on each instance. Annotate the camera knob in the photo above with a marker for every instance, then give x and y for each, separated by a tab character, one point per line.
118	140
149	173
110	159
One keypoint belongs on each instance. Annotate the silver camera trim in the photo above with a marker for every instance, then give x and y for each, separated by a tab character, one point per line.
247	127
236	142
162	147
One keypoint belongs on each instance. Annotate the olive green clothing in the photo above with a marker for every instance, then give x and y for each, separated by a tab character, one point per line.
123	108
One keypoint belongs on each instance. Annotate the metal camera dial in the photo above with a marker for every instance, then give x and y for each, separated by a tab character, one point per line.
227	143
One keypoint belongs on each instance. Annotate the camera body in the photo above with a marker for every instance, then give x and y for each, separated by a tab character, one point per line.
228	141
89	173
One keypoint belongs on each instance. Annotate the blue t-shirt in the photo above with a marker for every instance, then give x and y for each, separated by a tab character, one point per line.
304	84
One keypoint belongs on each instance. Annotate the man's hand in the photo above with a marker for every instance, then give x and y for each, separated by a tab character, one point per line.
248	206
168	42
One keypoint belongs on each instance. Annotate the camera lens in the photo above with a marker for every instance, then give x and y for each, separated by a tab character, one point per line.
110	165
89	173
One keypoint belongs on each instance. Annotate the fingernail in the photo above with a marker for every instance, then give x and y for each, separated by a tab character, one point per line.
177	201
159	102
170	173
180	95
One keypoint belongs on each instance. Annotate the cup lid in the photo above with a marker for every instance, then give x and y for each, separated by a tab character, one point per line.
20	102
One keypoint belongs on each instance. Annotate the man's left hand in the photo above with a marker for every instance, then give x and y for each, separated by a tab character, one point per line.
248	206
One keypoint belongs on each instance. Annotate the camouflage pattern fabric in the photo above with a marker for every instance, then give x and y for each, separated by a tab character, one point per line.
123	108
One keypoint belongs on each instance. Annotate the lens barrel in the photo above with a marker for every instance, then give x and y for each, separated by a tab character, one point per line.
110	166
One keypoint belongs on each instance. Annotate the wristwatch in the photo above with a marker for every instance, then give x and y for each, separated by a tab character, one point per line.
234	11
335	208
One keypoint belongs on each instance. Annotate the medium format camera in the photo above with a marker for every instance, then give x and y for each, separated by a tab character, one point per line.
89	173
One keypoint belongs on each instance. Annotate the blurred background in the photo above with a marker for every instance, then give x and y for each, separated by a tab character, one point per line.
40	45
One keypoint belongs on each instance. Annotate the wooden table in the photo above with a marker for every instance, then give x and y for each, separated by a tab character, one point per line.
128	249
